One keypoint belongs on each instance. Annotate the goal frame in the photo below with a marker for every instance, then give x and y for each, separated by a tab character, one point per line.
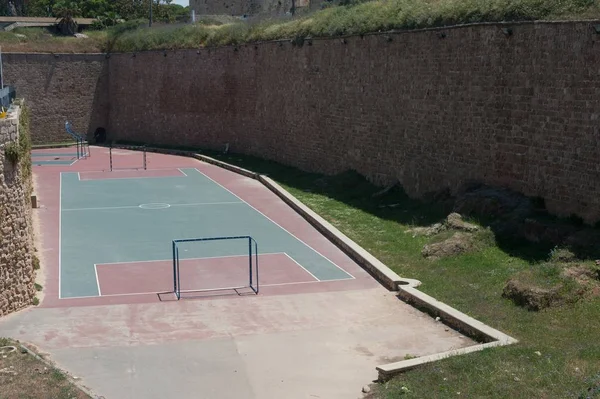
253	283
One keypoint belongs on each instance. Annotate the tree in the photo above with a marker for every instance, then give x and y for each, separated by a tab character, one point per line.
65	12
162	10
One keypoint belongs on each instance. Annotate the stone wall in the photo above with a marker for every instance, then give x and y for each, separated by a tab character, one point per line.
59	88
17	275
430	109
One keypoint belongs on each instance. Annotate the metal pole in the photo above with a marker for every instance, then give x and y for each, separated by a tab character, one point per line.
256	255
250	259
1	70
150	25
178	273
174	271
110	153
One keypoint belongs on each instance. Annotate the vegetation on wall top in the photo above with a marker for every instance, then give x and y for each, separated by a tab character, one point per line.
352	17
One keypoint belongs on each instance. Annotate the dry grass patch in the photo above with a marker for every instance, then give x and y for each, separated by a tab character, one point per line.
552	285
24	376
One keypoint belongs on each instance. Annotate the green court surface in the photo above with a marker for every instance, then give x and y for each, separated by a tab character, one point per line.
136	219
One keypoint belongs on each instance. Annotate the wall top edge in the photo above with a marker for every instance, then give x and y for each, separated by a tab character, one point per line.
324	38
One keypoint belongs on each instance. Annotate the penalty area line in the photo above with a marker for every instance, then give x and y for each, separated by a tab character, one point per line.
209	289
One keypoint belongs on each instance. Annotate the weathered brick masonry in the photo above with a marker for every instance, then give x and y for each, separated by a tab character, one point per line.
58	88
423	108
427	110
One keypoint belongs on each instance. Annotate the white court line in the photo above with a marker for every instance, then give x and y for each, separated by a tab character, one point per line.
212	289
97	280
274	222
305	269
59	234
209	257
129	170
185	174
171	259
50	164
137	206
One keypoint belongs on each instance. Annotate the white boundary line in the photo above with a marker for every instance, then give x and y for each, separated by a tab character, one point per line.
179	169
305	269
316	280
97	280
171	259
129	170
60	236
274	222
212	289
137	206
50	164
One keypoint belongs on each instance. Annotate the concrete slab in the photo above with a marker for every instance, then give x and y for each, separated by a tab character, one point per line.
320	345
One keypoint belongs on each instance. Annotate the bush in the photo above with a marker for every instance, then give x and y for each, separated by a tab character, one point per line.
12	153
35	262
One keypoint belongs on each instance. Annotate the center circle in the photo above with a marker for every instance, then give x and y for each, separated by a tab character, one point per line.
155	205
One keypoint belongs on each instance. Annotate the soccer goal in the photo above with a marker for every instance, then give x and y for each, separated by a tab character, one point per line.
131	160
204	265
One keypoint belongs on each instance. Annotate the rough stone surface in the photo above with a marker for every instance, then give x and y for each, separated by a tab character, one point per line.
531	297
427	231
457	244
17	275
520	112
455	221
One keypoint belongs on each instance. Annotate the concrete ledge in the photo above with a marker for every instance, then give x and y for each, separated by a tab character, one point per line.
383	273
453	318
391	369
406	288
227	166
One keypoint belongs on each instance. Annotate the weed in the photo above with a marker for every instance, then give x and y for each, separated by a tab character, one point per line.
58	376
35	262
11	152
35	301
38	287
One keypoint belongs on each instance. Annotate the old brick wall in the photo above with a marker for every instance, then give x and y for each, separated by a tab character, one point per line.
430	109
17	275
59	88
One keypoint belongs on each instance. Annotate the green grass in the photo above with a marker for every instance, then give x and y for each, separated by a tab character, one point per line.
356	18
568	363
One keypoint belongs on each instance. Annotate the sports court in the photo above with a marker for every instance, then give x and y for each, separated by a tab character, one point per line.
135	219
167	275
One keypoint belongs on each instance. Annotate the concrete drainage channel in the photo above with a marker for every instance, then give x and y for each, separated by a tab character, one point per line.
406	289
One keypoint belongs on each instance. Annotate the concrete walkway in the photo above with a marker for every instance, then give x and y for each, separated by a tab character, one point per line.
321	345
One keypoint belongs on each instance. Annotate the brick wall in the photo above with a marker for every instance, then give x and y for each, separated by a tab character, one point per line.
430	109
17	275
59	88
